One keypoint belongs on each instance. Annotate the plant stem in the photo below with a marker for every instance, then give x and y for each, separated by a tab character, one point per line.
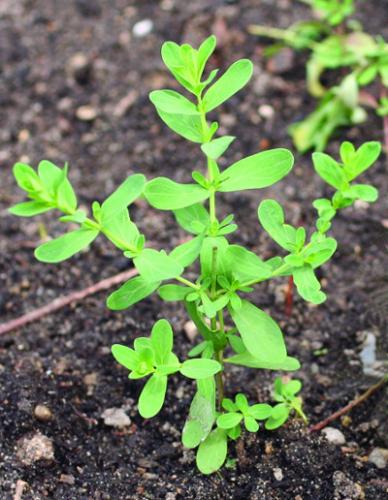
188	283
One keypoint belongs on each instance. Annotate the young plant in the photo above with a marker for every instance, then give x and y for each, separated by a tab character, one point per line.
357	59
234	330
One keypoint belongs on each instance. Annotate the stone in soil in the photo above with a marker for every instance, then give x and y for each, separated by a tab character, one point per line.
33	448
115	417
334	435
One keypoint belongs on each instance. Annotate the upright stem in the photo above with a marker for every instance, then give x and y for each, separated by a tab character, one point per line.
216	328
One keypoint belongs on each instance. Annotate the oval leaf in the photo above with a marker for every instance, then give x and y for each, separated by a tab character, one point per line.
164	194
152	396
257	171
65	246
234	79
260	333
212	452
200	368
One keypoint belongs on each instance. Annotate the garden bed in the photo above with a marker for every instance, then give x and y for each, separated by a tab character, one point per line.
63	361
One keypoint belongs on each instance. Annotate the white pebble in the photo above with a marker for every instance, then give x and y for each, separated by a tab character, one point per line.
379	457
334	435
142	28
115	417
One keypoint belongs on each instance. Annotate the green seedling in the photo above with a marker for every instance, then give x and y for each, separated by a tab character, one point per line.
356	59
218	300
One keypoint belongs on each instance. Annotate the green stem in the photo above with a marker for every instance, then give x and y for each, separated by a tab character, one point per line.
188	283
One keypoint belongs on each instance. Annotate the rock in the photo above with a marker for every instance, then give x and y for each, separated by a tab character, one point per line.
344	488
278	474
370	365
43	413
86	113
79	67
115	417
142	28
266	111
334	436
379	457
33	448
67	479
190	330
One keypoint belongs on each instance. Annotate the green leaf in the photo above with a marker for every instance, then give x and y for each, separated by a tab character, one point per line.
246	265
26	178
187	126
347	151
125	356
260	333
234	79
361	192
271	217
30	208
157	266
51	176
164	194
260	411
229	420
200	368
215	148
78	216
318	252
123	196
172	102
173	293
205	50
66	246
202	414
250	424
329	170
212	452
257	171
152	396
278	416
292	387
365	156
246	359
187	252
228	405
65	195
194	219
242	402
308	285
129	293
120	230
162	338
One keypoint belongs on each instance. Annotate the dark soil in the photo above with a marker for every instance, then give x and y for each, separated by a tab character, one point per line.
55	361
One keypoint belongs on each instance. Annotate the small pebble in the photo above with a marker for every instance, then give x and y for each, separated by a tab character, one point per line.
115	417
79	67
379	457
190	330
333	435
43	413
266	111
278	474
142	28
31	449
86	113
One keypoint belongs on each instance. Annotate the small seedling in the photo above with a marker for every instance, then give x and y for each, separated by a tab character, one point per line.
356	58
234	330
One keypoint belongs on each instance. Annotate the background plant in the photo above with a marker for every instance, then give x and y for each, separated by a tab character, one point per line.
234	330
339	46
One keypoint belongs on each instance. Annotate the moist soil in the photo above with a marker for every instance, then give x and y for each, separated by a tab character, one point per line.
63	361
